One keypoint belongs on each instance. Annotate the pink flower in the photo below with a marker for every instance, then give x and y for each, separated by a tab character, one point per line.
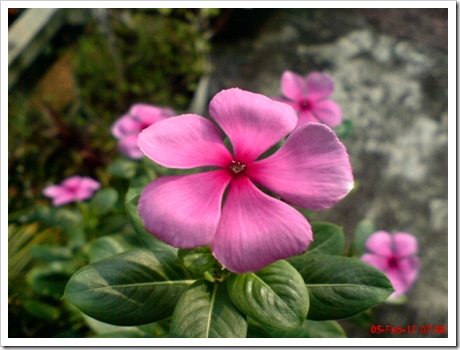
310	97
127	128
225	208
72	189
395	256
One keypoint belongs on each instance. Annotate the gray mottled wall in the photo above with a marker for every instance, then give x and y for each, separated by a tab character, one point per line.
392	83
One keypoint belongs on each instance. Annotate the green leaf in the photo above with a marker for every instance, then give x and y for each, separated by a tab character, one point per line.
327	239
46	281
104	201
42	310
275	296
341	287
344	130
107	246
131	288
363	230
206	311
151	242
69	221
197	260
314	329
123	168
309	329
46	252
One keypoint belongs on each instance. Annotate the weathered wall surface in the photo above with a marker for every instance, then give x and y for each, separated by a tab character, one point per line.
393	85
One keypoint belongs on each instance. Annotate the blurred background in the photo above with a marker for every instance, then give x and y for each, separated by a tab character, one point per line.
73	72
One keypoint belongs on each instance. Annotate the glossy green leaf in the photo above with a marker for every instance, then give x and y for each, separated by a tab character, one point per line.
345	129
49	282
151	242
275	296
327	239
107	246
104	201
42	310
197	260
123	168
341	287
131	288
46	252
363	230
309	329
206	311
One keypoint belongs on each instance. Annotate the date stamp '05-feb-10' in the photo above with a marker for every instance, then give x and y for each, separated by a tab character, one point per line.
408	329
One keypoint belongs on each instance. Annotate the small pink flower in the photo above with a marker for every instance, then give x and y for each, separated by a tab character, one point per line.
73	189
127	128
225	208
395	256
310	97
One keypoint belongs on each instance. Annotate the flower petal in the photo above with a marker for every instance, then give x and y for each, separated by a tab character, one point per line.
380	243
405	244
86	188
328	112
184	142
307	117
293	85
255	229
404	275
377	261
54	191
124	126
319	86
252	122
184	211
128	146
149	114
311	169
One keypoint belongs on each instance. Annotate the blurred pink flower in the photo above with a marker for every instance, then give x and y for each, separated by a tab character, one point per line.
310	97
250	229
395	256
127	128
73	189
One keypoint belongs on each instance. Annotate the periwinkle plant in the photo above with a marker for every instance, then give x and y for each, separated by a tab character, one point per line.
225	252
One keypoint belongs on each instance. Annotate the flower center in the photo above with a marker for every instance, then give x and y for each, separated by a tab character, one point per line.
305	104
236	167
393	262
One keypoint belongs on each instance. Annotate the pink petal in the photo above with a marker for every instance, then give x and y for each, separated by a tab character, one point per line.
184	142
404	275
256	230
293	86
252	122
128	146
124	126
328	112
86	188
377	261
319	86
149	114
380	243
64	198
311	169
405	244
90	183
54	191
72	182
306	116
184	211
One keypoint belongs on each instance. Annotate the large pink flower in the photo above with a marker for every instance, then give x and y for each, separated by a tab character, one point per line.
310	97
127	128
72	189
246	228
395	256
